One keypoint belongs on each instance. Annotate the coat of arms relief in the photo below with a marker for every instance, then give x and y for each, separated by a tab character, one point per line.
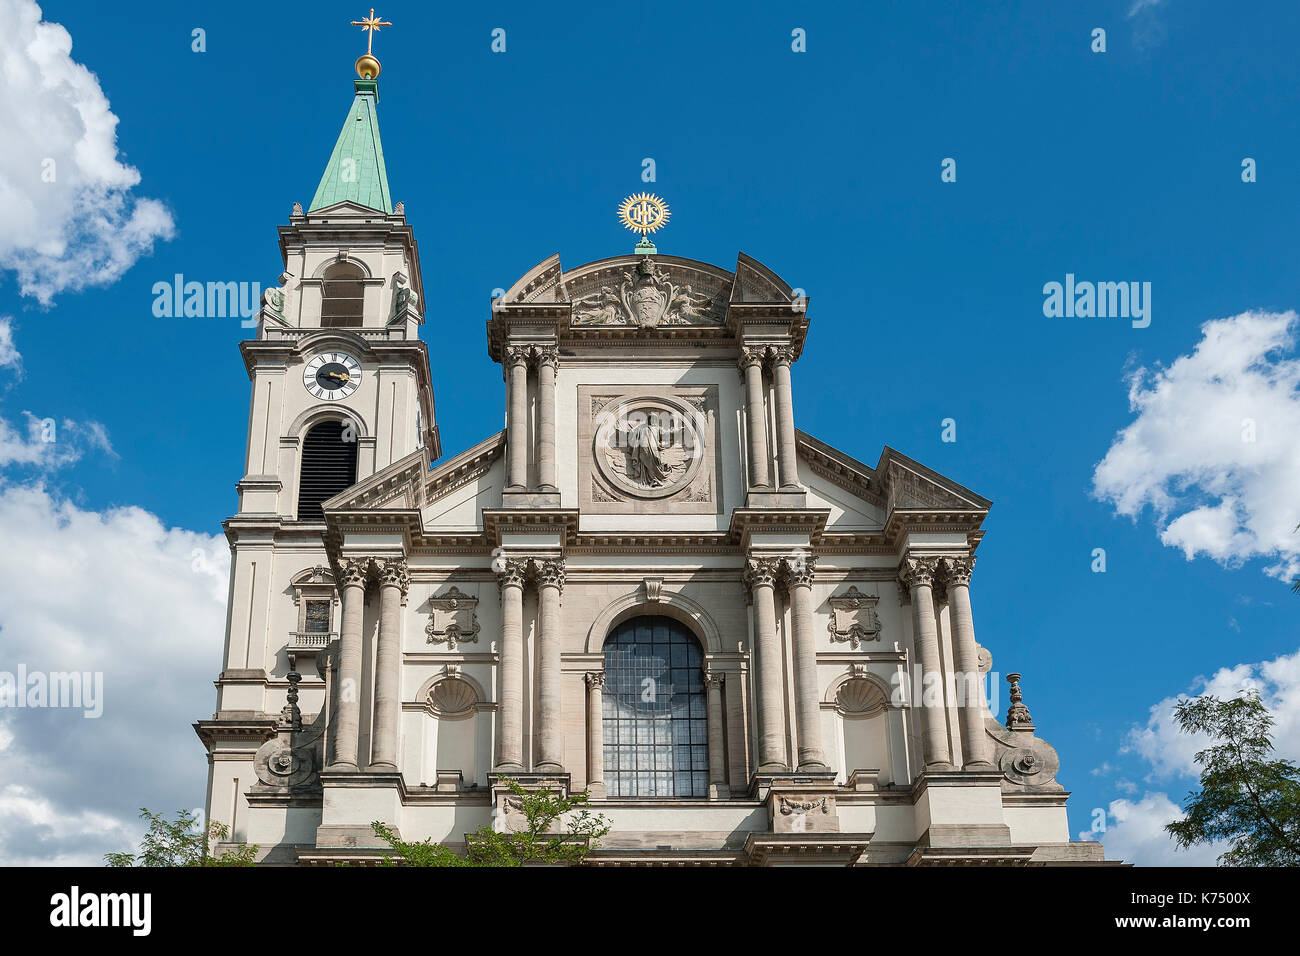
647	299
853	617
453	619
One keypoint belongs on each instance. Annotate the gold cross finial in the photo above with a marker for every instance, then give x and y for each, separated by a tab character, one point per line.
371	24
367	65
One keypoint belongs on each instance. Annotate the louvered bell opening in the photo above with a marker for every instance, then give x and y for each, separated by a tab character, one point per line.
329	465
342	297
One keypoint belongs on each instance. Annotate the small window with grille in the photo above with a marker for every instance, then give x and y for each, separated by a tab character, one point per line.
317	617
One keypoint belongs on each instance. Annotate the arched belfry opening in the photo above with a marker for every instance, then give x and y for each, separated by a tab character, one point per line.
329	465
342	296
654	713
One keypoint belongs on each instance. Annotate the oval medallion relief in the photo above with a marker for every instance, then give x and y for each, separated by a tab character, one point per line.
649	447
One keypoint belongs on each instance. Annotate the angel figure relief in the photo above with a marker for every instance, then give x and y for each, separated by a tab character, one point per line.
688	307
599	308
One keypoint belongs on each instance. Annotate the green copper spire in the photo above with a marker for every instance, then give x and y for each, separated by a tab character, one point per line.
356	170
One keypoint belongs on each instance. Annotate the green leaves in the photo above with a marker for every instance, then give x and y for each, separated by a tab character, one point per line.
539	842
1246	798
181	842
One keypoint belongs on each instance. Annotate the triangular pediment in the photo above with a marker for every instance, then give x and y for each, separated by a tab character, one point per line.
445	485
911	486
395	488
897	483
346	208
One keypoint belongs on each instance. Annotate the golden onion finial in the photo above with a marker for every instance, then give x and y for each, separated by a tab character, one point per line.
367	64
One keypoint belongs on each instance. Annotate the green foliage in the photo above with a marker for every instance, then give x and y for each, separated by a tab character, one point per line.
1245	798
536	843
181	842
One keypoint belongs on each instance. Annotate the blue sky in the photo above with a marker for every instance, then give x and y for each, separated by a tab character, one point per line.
825	165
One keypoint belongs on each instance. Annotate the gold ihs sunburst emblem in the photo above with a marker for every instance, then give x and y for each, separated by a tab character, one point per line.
643	213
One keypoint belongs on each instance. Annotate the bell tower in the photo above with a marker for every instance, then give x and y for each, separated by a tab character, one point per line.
340	389
338	339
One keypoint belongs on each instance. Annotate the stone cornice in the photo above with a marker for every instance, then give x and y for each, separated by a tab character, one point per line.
745	521
497	520
258	729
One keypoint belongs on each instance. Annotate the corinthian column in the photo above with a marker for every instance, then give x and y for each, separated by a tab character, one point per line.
760	575
788	465
798	579
918	574
751	364
516	357
595	733
970	683
394	581
347	722
550	743
548	360
510	712
713	681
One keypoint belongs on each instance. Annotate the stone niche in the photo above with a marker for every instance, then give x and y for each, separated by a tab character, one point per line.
648	449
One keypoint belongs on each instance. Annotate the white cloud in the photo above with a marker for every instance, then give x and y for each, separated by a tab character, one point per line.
1170	752
116	592
1136	834
1135	830
68	216
1213	450
9	357
45	443
1140	5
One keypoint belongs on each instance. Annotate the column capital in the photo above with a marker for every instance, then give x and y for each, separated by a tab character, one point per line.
751	356
761	572
919	571
393	573
550	572
546	355
780	355
510	572
515	355
714	678
353	572
798	571
595	680
958	570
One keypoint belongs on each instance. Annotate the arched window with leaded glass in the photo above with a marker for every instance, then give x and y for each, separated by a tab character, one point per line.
654	718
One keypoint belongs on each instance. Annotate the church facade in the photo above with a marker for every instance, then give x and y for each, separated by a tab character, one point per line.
748	647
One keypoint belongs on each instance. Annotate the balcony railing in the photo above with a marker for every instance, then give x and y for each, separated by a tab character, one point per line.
310	640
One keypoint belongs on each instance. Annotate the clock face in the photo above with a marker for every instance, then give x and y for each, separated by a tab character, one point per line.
332	375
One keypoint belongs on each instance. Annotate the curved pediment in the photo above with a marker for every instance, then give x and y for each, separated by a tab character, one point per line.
692	280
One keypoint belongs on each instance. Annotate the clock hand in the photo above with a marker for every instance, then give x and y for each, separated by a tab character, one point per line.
344	377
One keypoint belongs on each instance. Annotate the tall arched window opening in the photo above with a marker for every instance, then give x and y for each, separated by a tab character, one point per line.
342	296
654	720
329	465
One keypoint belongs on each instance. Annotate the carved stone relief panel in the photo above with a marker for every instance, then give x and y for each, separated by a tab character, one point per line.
644	446
853	618
647	295
453	619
